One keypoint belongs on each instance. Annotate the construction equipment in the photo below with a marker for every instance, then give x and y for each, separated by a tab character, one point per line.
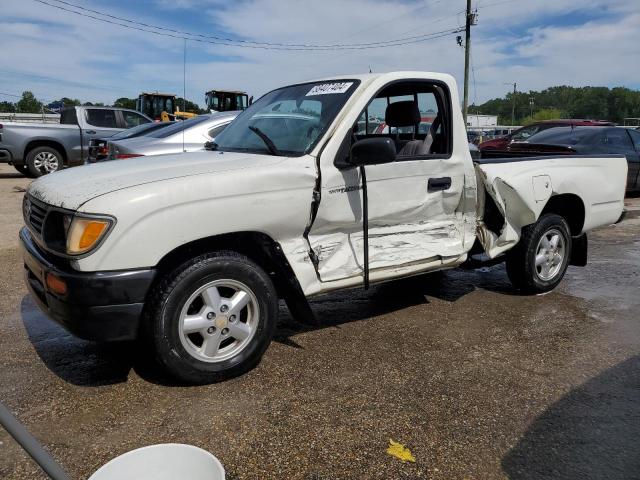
161	107
227	100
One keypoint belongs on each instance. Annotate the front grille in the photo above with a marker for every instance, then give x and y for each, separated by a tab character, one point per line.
35	212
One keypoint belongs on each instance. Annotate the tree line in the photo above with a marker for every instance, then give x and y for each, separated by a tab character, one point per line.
28	103
598	103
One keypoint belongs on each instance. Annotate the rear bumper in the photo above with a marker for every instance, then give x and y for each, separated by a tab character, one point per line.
102	306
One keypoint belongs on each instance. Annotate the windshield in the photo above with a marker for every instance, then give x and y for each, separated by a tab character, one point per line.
180	126
288	121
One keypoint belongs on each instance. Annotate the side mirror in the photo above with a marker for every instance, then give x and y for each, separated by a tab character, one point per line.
372	151
210	145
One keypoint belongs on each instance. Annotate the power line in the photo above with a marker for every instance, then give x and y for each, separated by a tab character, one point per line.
211	39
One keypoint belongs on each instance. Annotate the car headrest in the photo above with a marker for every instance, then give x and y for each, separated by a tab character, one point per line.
402	114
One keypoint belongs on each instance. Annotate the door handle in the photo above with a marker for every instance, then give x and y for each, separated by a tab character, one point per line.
442	183
90	132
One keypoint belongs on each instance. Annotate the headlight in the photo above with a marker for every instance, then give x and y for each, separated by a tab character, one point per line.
85	233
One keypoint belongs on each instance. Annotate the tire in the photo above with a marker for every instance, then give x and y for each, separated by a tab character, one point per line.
43	160
539	261
200	293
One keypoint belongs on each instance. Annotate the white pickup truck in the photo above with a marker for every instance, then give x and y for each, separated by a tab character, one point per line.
299	196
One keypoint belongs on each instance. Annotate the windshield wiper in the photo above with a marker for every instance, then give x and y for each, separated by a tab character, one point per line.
267	141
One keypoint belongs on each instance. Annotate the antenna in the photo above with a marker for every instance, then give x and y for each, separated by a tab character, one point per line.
184	86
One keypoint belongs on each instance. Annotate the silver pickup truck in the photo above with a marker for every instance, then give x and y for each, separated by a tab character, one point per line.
35	149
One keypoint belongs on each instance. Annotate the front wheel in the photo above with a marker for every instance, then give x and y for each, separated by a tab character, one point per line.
212	318
539	261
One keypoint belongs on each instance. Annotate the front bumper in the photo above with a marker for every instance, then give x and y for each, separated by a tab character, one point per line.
101	306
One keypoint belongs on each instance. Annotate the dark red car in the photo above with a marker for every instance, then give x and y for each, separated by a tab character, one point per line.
522	134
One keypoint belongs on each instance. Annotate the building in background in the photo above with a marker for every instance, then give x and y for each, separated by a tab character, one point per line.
482	121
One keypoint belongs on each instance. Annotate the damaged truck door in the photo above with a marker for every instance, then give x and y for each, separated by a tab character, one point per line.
416	215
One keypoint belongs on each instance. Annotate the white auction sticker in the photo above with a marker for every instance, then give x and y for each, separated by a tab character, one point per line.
327	88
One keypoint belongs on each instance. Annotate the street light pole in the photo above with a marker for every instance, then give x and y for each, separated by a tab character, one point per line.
531	105
467	50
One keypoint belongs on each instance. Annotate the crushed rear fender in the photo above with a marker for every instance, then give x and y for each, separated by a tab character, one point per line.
513	205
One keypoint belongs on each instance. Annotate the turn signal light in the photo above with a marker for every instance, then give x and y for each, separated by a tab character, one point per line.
56	284
84	234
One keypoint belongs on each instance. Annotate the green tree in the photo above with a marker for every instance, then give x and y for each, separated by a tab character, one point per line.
29	103
601	103
541	115
7	107
189	106
124	102
70	102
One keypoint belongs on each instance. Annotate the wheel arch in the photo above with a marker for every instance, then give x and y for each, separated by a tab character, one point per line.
569	206
258	247
44	143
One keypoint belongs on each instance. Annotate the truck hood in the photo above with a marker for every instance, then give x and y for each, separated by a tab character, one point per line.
73	187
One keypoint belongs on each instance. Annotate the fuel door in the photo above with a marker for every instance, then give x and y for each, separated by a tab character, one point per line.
542	188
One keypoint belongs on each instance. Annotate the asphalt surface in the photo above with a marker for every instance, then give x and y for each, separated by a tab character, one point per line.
478	381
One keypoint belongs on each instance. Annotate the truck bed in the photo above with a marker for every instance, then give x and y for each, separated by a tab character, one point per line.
522	186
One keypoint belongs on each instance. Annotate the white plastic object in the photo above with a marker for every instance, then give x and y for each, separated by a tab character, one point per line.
168	461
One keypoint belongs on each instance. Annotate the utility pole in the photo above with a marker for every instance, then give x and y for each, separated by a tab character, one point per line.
470	20
513	105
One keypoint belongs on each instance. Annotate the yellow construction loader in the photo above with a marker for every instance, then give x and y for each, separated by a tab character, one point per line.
161	107
227	100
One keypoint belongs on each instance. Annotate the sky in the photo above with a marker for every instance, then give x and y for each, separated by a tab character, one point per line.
535	43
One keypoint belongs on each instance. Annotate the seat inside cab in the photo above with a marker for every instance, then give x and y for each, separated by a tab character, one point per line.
413	114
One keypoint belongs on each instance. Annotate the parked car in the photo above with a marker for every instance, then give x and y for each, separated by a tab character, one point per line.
192	251
37	149
99	147
184	136
582	141
523	133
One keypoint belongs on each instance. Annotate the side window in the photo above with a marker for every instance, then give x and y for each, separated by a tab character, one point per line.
618	139
101	118
419	123
215	131
133	119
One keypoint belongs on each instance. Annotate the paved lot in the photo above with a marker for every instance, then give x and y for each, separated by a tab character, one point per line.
479	382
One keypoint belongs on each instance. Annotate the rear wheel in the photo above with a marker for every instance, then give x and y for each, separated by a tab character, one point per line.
539	261
213	317
43	160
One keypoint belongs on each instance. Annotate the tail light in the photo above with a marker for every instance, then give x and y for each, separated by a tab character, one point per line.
122	156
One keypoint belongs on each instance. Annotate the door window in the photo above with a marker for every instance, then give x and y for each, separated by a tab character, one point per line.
133	119
213	133
101	118
429	100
